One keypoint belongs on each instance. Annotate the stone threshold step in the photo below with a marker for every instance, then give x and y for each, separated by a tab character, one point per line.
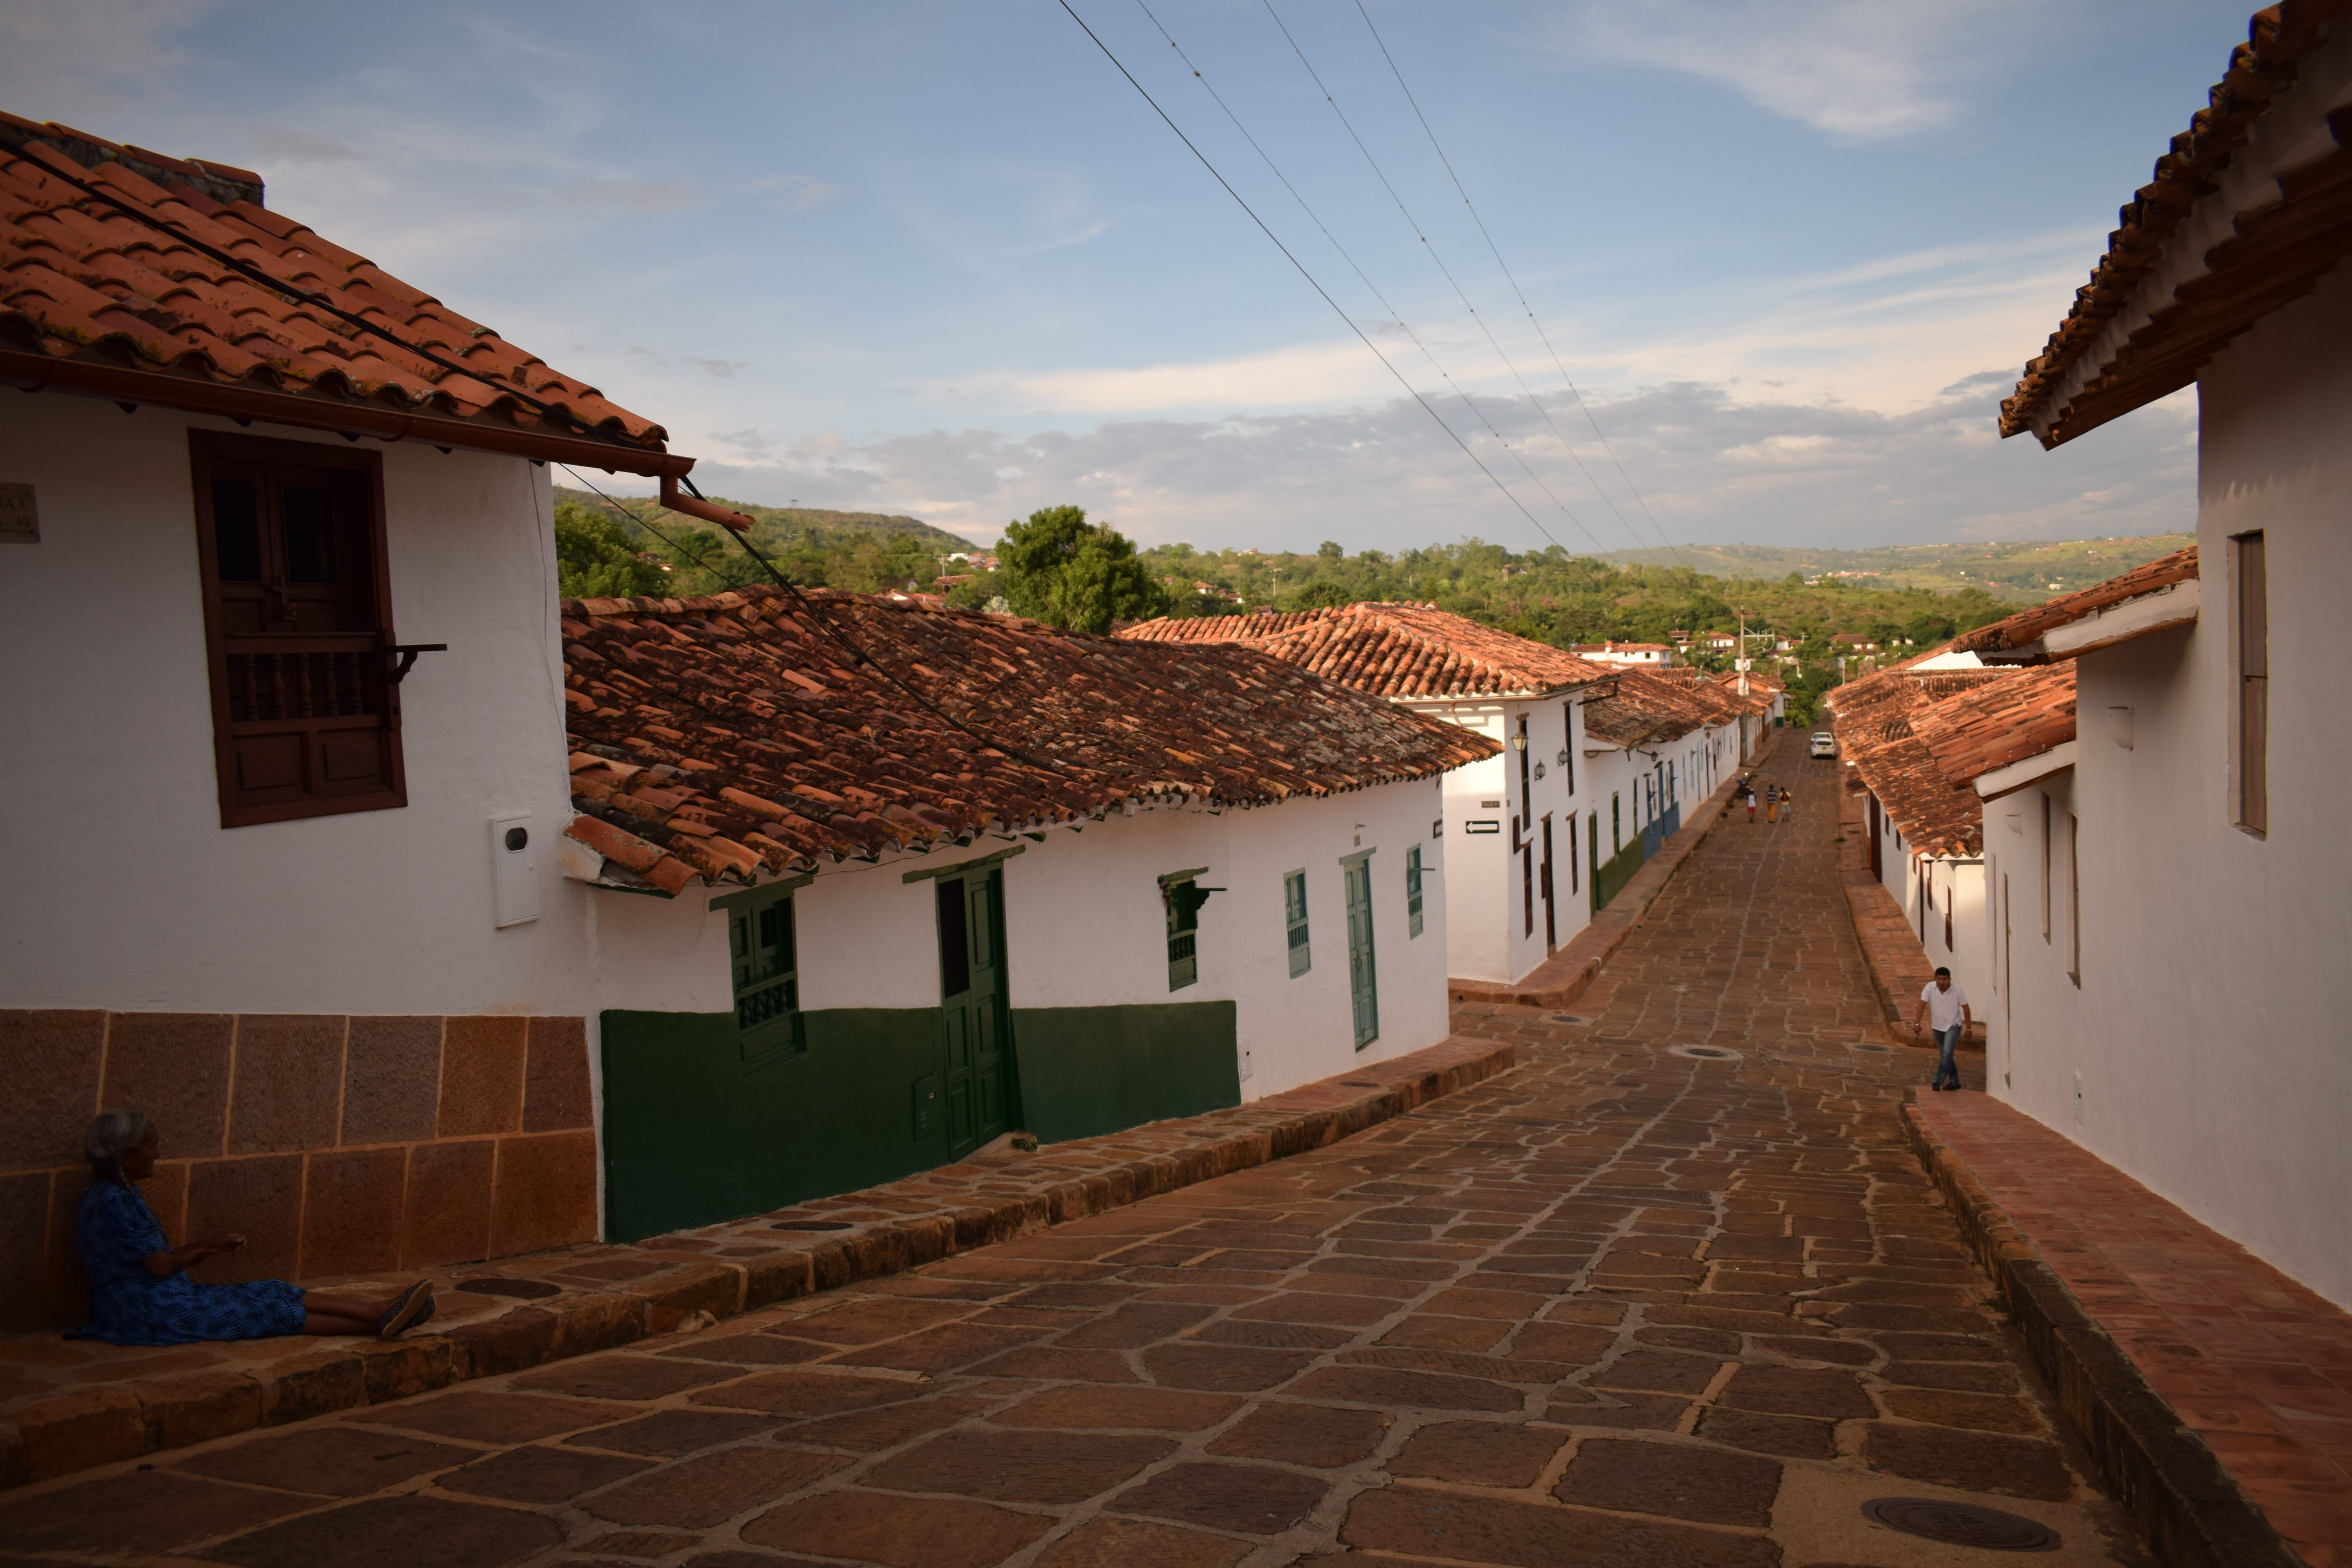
68	1405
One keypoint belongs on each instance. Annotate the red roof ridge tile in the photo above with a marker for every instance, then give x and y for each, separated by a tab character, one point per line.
1400	650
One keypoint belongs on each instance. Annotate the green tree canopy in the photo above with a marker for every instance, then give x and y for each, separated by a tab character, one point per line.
1061	569
594	558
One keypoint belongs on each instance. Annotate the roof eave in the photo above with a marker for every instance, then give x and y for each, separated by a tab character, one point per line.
32	372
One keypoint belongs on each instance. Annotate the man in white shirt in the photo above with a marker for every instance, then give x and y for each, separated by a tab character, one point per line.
1946	1006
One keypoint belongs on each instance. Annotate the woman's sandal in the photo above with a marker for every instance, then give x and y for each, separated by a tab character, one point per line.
413	1306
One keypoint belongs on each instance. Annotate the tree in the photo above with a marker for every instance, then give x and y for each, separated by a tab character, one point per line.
595	559
1060	569
1316	596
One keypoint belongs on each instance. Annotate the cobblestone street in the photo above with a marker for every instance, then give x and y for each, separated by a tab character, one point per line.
1624	1305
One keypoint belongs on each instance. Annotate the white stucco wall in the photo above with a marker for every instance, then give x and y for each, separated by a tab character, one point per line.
1928	888
2213	1035
124	891
1085	926
1488	937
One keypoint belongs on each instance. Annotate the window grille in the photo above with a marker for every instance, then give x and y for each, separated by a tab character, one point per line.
1413	890
1183	901
1294	916
767	1020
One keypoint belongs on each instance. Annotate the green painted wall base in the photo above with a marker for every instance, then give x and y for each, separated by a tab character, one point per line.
694	1135
1610	878
1088	1070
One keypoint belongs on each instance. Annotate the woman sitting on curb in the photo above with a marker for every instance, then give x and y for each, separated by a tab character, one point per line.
139	1293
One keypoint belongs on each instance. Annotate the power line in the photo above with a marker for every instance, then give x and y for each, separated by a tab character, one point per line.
1428	245
1565	379
1399	315
1311	283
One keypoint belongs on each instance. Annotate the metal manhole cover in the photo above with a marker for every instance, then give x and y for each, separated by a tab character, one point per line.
1704	1053
810	1225
526	1290
1961	1524
1563	1018
1872	1048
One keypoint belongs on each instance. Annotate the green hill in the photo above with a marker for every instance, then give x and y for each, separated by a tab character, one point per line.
790	525
2026	572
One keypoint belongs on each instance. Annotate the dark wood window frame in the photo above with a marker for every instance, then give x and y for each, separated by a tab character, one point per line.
2250	572
314	690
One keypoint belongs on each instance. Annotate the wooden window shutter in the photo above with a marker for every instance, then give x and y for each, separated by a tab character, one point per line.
2253	631
298	628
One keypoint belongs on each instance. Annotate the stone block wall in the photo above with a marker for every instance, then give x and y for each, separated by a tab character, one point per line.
337	1145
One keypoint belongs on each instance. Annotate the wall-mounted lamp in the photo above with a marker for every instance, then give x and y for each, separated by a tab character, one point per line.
1520	742
1563	757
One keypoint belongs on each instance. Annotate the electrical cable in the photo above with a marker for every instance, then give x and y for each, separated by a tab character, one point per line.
1565	379
1427	244
1303	272
1397	315
318	301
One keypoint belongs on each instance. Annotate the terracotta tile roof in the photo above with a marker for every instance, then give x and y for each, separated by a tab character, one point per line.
2000	722
1762	689
99	295
2210	281
721	737
1392	650
2026	628
1650	706
1878	719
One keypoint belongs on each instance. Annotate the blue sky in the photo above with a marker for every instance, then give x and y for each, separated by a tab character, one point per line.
942	259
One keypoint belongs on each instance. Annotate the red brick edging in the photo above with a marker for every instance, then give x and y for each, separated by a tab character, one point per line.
2191	1509
106	1422
1570	973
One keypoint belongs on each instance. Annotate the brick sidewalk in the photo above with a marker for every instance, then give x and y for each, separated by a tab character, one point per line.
68	1404
1629	1304
2256	1365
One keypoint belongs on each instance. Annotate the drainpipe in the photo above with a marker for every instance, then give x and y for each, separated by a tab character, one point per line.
675	500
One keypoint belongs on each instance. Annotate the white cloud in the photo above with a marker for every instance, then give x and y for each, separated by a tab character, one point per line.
1858	70
290	145
1338	371
1711	466
70	59
796	192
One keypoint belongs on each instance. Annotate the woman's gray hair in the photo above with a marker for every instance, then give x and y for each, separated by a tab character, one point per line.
112	1135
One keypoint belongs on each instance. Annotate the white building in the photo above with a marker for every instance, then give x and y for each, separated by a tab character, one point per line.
2199	1043
290	830
1518	870
277	595
935	876
1627	655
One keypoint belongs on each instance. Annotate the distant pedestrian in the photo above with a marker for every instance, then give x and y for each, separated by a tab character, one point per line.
1789	804
1772	803
1945	1006
1748	798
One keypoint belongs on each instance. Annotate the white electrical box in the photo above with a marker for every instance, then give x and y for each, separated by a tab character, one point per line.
514	870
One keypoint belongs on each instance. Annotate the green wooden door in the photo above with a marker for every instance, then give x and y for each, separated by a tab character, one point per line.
1593	855
1363	985
978	1072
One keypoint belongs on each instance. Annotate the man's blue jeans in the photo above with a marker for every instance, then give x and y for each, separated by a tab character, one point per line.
1948	1041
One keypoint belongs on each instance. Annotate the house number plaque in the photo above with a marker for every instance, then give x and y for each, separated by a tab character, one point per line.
20	523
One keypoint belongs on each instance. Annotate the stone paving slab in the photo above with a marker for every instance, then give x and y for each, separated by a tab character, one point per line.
68	1404
1563	977
1623	1305
2216	1392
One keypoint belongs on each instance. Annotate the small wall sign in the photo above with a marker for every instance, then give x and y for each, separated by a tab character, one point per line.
20	522
1475	826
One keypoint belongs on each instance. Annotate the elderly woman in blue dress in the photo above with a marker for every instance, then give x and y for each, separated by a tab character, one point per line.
140	1292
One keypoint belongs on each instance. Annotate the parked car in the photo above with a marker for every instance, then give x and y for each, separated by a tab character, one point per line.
1824	743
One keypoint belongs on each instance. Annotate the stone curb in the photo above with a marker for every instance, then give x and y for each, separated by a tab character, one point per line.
105	1422
2186	1502
1588	950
